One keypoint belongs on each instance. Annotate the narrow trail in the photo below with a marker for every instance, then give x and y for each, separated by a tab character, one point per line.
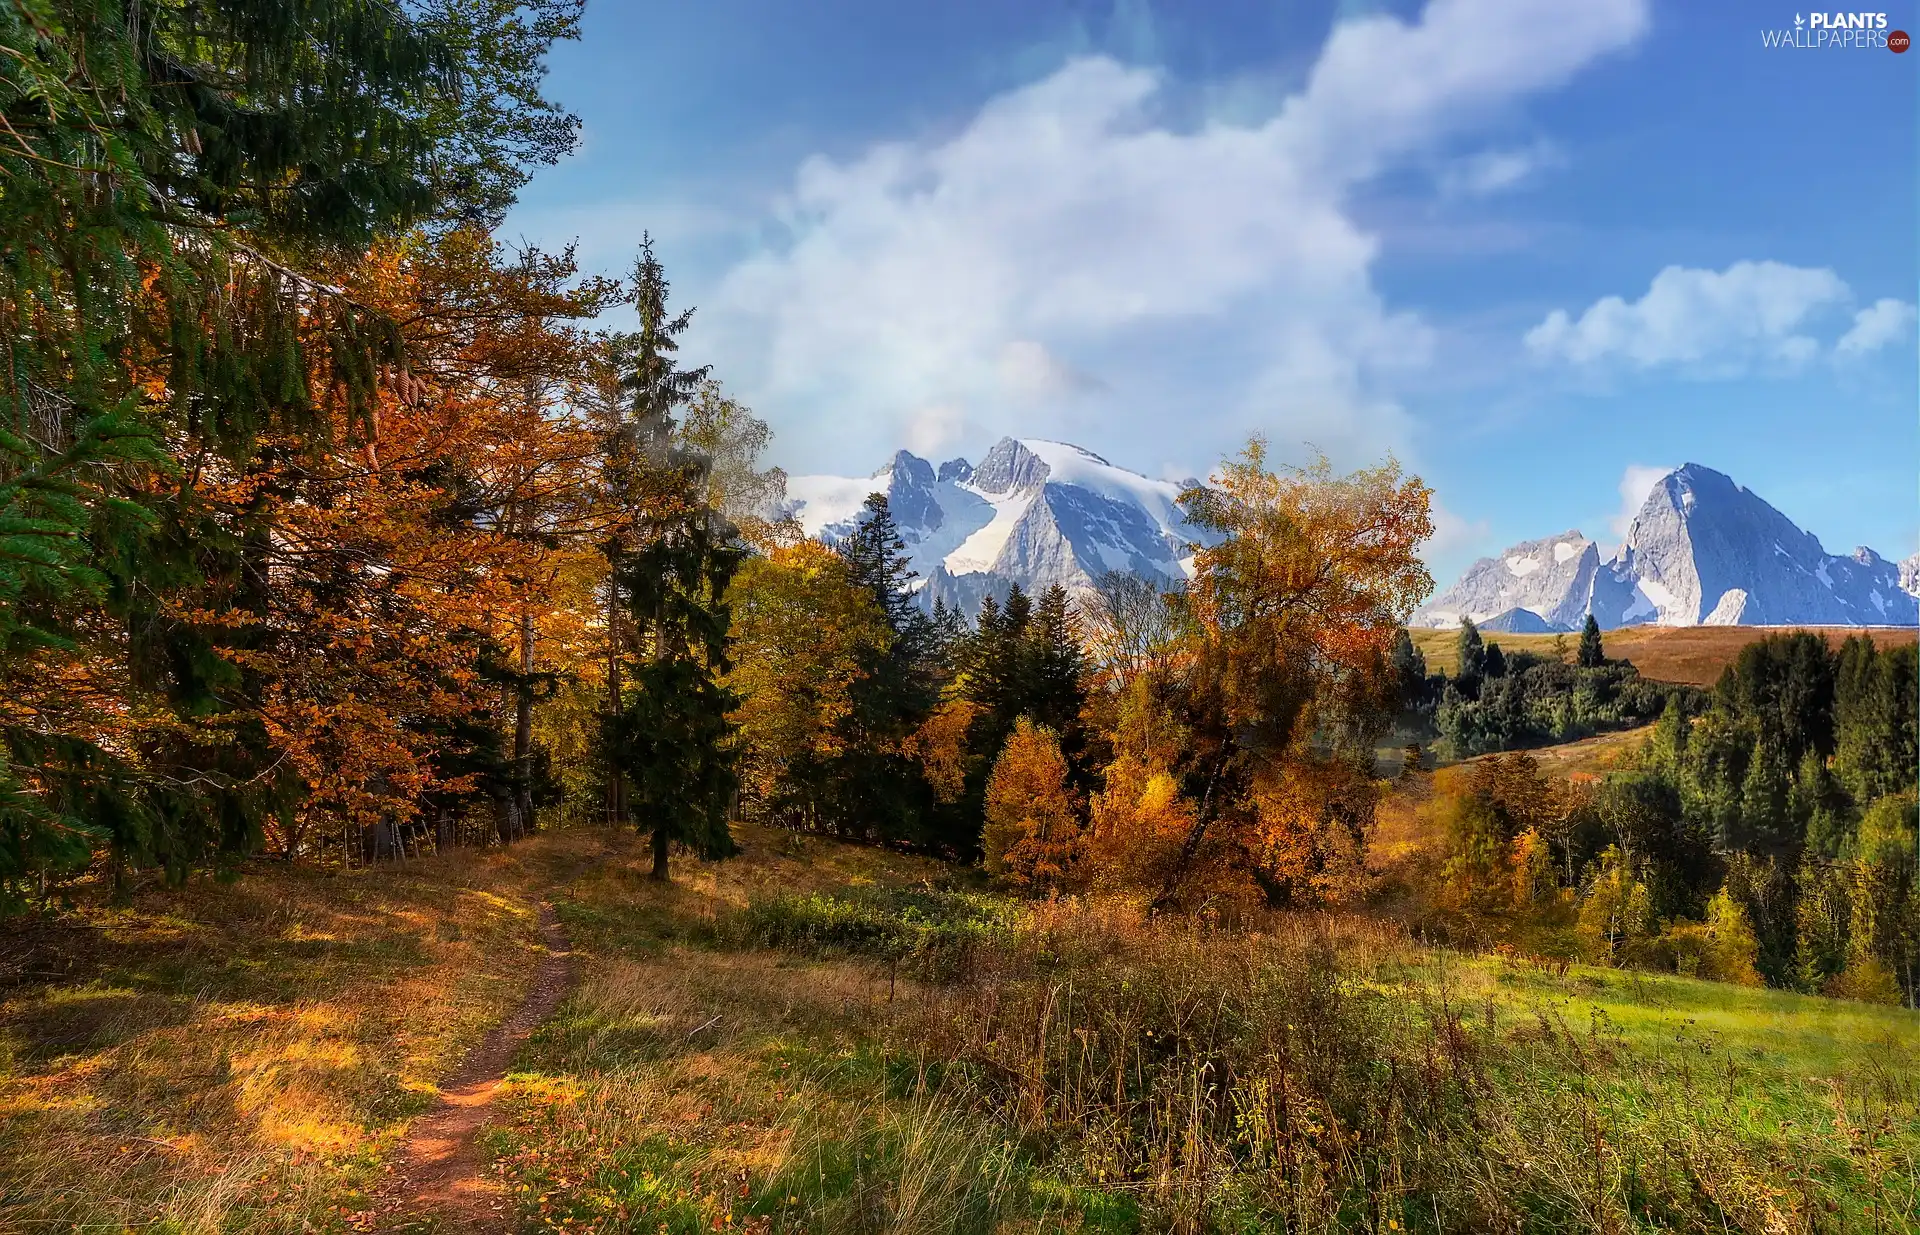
442	1183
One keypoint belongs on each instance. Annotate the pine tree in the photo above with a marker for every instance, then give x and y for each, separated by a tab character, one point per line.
1874	718
877	559
1001	670
1057	679
1409	669
881	792
671	739
1669	746
1592	654
647	482
1057	689
1764	801
1470	655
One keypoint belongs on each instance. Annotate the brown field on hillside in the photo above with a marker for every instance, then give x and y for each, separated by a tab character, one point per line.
1692	654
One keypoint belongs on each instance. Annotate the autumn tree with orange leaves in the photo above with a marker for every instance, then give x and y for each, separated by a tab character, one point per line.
1265	713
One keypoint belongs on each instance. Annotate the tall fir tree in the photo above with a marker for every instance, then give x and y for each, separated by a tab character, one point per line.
670	740
881	793
1056	686
1592	653
669	761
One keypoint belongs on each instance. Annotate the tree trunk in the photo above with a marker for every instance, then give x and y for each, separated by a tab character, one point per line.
660	855
1191	847
616	781
523	726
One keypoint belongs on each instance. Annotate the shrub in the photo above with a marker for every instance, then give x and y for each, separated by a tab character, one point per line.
932	935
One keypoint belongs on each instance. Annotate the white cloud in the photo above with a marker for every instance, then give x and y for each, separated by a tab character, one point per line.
1210	273
1454	535
1883	322
1752	315
1030	372
1636	484
935	428
1496	171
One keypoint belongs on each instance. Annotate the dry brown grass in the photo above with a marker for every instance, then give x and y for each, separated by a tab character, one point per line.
239	1056
1690	654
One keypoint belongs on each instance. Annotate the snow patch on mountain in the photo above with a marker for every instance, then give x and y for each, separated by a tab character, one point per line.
1540	576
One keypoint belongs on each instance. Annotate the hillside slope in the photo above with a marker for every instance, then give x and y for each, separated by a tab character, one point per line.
1695	655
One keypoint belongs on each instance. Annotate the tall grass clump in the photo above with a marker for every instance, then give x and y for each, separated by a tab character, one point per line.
1321	1075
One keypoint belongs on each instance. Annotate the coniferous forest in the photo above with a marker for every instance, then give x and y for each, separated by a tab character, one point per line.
413	675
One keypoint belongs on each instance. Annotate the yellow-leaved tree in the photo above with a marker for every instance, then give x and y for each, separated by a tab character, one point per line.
802	632
1032	838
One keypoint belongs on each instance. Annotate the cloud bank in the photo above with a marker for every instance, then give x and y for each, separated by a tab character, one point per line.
1070	260
1752	317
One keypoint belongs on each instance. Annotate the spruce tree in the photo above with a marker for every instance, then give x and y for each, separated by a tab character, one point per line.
1669	746
1057	678
1470	655
881	793
1764	801
646	483
1592	654
1409	668
670	740
876	559
1056	689
672	557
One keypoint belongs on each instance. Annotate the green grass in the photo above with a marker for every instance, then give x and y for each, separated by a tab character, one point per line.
881	1053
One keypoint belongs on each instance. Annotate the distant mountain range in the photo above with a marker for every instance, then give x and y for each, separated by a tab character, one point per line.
1032	512
1701	552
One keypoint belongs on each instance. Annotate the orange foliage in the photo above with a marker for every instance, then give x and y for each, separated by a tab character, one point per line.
406	544
1283	683
1032	837
940	747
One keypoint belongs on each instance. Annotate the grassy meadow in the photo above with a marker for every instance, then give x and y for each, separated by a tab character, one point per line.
823	1038
1690	654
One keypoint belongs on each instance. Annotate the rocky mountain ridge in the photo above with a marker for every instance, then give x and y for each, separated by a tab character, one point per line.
1701	551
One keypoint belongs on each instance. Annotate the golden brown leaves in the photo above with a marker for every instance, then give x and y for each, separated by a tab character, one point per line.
1032	838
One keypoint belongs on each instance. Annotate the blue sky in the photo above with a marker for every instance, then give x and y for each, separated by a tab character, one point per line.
1536	249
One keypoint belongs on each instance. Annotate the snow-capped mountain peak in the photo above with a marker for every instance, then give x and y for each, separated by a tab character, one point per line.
1032	512
1701	551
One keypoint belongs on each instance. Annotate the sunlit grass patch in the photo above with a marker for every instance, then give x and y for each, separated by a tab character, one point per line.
240	1056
